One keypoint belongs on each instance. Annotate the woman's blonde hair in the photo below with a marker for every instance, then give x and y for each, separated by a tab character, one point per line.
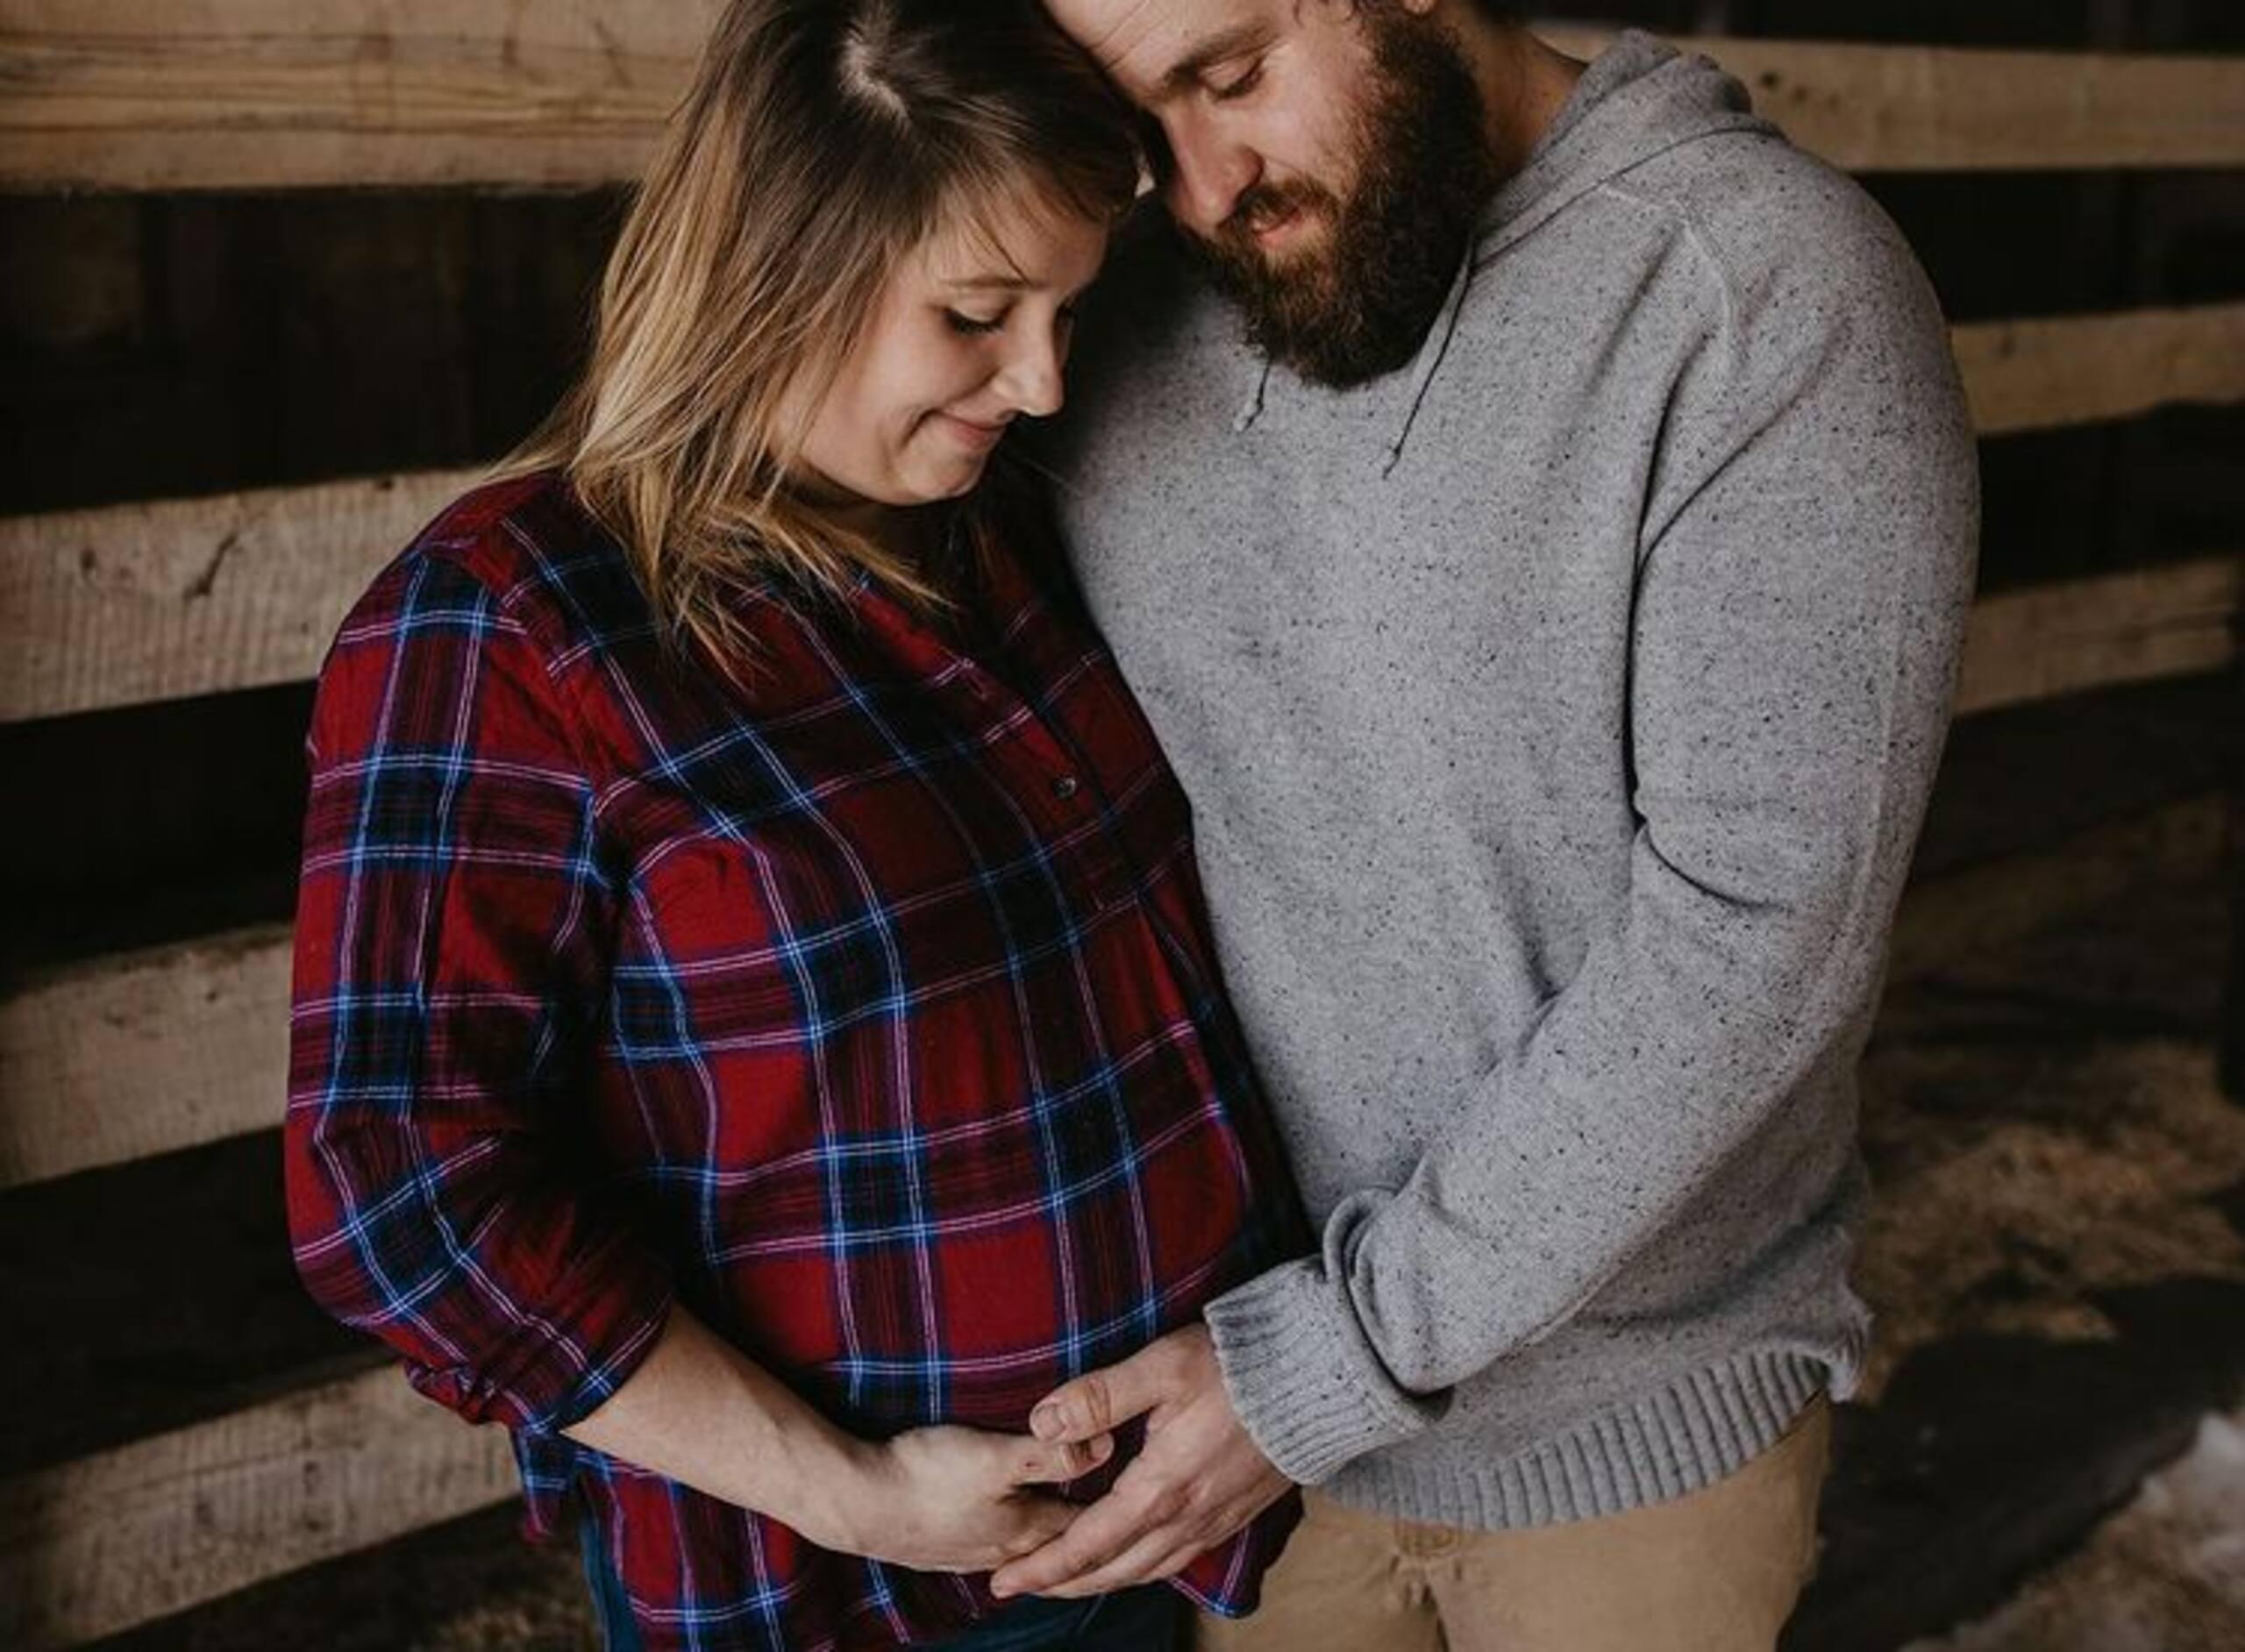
820	142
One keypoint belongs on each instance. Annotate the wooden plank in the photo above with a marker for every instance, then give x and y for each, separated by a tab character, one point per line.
2032	375
94	1547
128	603
2058	639
144	1053
251	94
263	94
1958	109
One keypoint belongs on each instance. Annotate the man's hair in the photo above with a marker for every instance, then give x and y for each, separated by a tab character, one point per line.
821	143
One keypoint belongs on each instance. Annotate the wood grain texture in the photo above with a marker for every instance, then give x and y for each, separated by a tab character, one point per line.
127	603
271	94
2166	622
2033	376
95	1546
143	1053
281	94
1959	109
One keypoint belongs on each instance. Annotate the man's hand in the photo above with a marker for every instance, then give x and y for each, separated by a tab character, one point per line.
1199	1480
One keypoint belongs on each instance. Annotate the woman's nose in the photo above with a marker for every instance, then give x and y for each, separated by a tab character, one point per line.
1032	382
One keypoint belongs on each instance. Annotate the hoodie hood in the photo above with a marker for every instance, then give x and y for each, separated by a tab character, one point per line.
1639	98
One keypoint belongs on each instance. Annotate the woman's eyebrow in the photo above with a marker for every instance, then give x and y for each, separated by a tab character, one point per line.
1006	283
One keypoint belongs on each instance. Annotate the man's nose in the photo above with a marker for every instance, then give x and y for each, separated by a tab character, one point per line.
1207	174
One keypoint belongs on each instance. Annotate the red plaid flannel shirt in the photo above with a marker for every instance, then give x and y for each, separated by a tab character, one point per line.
868	1010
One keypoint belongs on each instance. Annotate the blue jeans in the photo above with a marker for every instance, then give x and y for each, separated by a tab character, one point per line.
1146	1619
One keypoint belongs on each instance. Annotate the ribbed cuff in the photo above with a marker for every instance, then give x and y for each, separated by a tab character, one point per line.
1305	1382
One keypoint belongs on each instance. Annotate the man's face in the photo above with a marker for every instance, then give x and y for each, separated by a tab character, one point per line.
1327	159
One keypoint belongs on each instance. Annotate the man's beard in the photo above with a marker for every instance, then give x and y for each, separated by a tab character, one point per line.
1359	305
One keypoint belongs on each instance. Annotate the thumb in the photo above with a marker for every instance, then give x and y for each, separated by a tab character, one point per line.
1101	1400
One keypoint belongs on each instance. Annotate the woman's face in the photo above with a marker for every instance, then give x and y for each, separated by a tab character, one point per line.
970	330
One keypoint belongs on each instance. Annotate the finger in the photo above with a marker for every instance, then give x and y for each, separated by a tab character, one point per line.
1032	1462
1099	1401
1099	1533
1141	1563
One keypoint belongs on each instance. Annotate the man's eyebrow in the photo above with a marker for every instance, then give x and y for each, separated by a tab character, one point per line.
1224	43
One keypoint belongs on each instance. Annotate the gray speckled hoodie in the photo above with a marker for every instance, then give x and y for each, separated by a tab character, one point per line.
1558	714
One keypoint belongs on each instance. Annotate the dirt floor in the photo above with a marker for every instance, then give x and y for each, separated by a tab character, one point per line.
2167	1574
2057	1257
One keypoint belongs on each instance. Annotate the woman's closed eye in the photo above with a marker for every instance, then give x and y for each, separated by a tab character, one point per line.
975	326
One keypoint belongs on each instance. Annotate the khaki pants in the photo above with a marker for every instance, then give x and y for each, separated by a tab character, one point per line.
1717	1571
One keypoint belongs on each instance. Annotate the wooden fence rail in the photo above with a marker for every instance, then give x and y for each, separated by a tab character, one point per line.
2055	639
125	603
97	1545
2041	375
144	1053
268	94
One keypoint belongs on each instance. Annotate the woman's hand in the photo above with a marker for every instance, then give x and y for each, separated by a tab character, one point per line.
701	1412
955	1499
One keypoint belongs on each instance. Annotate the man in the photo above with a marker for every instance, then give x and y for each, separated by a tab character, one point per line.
1551	597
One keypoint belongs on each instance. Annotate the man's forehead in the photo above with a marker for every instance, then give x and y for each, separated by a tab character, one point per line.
1141	42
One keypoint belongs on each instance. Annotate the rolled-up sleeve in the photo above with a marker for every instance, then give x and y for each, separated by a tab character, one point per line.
452	936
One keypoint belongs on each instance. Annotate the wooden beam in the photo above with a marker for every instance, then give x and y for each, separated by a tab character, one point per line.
264	94
2056	639
143	1053
283	94
128	603
97	1546
1957	109
2032	375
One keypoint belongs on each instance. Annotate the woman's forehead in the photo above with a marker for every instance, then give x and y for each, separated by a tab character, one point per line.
1025	239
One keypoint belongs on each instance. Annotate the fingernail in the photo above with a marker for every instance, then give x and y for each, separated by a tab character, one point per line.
1045	1422
1102	1448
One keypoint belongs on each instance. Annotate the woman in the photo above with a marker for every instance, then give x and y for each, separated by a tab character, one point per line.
755	1028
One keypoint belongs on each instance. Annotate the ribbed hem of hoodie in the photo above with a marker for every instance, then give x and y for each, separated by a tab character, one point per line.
1701	1428
1309	1390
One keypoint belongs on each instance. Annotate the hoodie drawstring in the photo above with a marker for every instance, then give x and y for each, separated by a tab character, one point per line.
1431	355
1429	363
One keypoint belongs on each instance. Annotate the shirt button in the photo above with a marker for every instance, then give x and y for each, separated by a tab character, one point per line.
1065	788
